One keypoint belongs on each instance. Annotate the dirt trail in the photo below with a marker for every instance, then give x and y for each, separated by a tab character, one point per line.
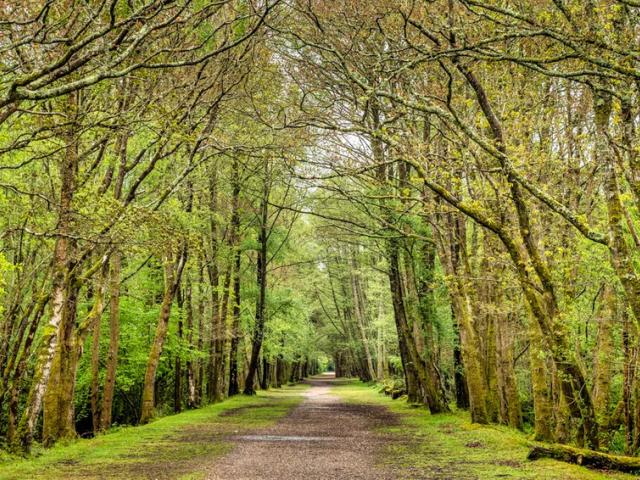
322	438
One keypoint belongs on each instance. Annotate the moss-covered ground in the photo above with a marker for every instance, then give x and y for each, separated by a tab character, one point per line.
180	446
185	446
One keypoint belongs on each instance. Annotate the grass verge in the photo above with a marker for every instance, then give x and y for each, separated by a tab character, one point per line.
177	446
449	446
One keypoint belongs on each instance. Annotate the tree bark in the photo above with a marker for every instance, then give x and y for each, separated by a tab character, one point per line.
234	388
114	342
261	280
172	273
62	258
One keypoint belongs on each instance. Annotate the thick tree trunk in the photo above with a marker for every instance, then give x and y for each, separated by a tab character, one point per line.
542	408
603	356
58	409
413	357
62	257
470	355
510	412
453	255
423	285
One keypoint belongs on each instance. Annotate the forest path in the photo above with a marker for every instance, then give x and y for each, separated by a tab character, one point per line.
322	438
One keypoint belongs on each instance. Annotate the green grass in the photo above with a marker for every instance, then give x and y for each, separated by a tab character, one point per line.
177	446
449	446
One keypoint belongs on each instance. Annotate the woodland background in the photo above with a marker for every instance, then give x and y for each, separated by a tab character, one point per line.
202	198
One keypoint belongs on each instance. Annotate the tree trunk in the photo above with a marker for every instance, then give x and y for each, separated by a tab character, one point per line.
453	256
213	383
234	388
172	273
586	458
602	372
542	409
177	371
462	392
192	401
510	412
114	341
264	380
359	310
261	280
95	376
62	257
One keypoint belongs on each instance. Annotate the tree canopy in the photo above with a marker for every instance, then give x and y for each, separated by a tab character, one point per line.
200	199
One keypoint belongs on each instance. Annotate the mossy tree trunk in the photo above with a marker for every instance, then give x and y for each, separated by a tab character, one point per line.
62	280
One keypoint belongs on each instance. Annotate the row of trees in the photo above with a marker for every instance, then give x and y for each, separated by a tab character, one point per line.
142	198
470	167
490	147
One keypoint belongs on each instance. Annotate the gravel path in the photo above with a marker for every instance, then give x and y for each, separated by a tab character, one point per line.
322	438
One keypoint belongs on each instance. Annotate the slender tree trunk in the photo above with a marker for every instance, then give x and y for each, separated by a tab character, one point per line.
108	390
177	372
172	273
13	386
264	381
95	376
261	280
114	341
628	380
213	383
234	388
191	367
200	365
359	308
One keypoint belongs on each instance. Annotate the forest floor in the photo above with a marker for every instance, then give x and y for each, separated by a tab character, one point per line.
333	430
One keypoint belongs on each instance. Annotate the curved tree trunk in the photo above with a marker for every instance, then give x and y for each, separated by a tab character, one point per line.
172	274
